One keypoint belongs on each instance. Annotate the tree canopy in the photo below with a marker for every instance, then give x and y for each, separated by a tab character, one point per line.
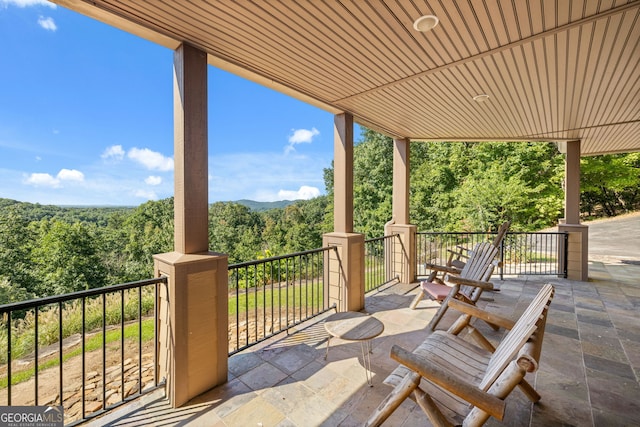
46	250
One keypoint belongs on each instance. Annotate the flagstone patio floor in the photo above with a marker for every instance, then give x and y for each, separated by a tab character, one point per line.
589	372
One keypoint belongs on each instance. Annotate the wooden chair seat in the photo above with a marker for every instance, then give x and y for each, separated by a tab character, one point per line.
457	382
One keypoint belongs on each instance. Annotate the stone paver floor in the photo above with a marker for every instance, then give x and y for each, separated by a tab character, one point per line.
589	372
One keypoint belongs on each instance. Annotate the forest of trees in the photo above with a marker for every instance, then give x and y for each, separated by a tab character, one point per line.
48	250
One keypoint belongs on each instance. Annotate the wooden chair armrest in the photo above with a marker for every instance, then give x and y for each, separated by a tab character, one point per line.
468	282
450	270
450	382
460	252
472	310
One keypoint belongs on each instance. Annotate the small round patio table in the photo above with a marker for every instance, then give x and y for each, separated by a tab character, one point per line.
355	326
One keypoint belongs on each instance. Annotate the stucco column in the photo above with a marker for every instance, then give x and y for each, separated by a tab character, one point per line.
572	183
192	308
401	164
343	173
403	253
578	244
344	267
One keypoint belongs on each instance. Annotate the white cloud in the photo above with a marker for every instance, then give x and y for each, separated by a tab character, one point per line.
27	3
305	192
237	176
38	158
47	180
70	175
47	23
153	180
152	160
144	194
301	136
42	180
115	152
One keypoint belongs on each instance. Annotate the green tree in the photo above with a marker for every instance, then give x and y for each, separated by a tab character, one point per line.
610	183
16	243
149	230
235	230
66	257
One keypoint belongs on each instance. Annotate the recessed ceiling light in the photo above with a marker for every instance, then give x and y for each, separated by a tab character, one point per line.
481	98
425	23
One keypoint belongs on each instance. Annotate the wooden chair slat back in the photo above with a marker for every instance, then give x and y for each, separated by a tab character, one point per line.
521	332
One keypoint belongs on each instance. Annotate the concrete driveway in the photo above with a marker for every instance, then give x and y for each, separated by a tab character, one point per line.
616	239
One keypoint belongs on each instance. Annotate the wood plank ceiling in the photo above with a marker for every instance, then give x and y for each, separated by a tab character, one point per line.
554	70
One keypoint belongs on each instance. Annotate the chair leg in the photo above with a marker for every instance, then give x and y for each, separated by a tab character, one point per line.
408	384
431	409
417	299
443	307
529	391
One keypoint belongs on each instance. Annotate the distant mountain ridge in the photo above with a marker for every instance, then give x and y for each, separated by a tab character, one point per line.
264	206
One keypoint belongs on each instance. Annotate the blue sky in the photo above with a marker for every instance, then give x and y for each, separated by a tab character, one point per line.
86	118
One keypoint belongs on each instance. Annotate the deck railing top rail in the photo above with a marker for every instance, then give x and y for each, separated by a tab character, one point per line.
39	302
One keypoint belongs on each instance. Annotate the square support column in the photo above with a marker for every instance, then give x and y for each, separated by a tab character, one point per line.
193	329
577	251
344	269
193	307
400	203
191	175
403	254
578	244
343	173
572	183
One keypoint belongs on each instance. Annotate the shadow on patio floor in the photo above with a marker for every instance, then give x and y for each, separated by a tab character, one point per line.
589	373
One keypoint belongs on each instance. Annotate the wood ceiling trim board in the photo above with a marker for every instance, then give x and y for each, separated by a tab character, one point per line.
423	42
603	72
516	60
623	77
537	17
341	50
515	106
549	10
501	95
629	98
489	109
546	68
538	81
277	25
523	14
488	25
594	52
592	7
621	72
267	43
568	27
450	91
396	42
453	42
579	40
498	23
339	17
262	59
475	38
407	109
563	14
553	88
577	8
510	20
561	43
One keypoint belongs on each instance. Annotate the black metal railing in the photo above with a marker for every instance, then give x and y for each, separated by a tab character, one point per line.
380	261
542	253
272	295
102	343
